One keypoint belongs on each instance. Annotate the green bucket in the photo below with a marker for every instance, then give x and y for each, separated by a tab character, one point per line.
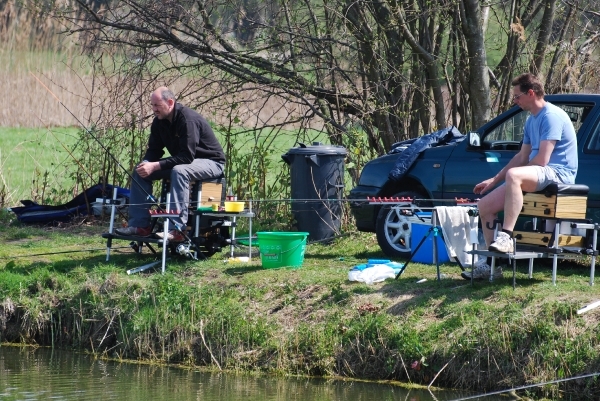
282	249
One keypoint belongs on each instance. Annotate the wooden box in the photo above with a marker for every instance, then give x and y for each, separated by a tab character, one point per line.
555	206
543	239
211	193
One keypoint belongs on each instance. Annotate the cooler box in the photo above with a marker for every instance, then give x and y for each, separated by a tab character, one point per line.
425	252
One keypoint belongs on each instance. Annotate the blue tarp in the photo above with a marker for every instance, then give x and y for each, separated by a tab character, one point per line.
410	154
31	212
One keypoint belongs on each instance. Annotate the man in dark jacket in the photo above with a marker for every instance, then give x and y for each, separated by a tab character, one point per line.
196	154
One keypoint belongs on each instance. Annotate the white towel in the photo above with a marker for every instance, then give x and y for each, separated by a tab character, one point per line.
459	231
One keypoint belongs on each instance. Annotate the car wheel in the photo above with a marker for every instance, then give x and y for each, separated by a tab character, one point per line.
393	227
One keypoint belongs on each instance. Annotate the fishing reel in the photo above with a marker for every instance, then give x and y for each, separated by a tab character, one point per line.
184	249
135	246
473	212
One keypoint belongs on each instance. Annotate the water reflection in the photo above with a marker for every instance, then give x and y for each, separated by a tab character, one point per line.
44	374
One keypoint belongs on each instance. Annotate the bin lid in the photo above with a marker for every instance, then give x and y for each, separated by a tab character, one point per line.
318	148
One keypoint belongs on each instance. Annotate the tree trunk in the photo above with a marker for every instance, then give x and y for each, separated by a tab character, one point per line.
543	36
479	83
551	86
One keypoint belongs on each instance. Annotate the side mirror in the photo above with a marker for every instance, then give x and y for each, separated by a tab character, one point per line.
474	139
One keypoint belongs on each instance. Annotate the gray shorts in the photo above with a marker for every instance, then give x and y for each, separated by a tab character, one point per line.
546	176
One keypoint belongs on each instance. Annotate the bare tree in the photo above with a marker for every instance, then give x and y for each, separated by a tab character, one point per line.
335	62
394	69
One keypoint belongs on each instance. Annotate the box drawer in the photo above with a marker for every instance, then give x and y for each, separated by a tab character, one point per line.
543	239
570	207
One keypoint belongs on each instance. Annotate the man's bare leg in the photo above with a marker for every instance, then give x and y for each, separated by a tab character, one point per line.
518	179
489	206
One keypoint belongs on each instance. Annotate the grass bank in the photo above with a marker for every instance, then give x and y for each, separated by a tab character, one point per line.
308	321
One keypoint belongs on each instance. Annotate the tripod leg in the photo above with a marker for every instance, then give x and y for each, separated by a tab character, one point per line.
414	252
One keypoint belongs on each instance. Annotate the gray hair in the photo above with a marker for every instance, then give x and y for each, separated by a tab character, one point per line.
166	94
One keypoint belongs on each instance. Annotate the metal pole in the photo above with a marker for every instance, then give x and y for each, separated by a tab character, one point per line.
112	222
232	246
594	250
250	230
166	233
435	245
555	245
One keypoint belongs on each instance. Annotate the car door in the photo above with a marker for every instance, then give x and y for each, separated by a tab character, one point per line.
468	165
587	173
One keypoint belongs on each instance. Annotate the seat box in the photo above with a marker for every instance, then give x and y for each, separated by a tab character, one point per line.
211	193
425	252
555	206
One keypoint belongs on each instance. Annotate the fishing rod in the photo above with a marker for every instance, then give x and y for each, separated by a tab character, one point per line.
81	166
149	196
61	252
374	200
528	386
92	136
402	205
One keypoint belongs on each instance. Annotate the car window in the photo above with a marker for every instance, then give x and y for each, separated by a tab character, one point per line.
510	130
576	113
593	144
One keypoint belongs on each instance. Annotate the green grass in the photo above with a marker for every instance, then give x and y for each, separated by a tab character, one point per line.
36	163
29	156
305	321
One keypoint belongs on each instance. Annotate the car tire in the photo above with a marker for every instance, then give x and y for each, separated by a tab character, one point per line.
393	226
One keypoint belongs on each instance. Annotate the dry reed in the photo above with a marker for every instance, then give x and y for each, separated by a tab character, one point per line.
31	45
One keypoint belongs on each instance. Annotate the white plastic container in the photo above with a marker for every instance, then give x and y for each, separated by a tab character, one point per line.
565	228
97	206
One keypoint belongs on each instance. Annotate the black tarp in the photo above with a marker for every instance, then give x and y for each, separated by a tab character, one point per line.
31	212
410	154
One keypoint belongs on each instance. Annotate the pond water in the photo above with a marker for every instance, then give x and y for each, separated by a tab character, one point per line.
46	374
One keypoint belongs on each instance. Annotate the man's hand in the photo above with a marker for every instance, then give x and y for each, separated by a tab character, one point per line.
484	186
144	169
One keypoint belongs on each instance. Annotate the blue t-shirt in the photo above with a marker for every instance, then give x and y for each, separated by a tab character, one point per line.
553	124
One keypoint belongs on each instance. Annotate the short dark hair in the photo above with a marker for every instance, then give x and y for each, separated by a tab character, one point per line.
529	81
166	94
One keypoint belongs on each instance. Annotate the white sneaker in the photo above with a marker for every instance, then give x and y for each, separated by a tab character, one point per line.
503	243
482	271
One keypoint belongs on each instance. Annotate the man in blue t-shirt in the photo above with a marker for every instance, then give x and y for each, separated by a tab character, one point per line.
548	154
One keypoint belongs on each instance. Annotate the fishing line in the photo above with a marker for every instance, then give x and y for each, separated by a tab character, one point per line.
72	157
527	386
68	151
